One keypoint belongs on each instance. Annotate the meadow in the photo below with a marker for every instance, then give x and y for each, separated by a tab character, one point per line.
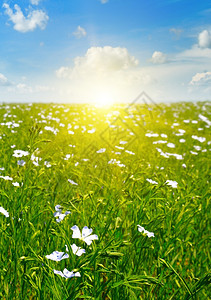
137	175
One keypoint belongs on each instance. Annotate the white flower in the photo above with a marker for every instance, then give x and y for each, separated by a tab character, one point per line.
76	250
47	164
20	153
86	235
57	256
6	178
102	150
59	215
194	153
122	142
91	130
4	212
170	145
151	181
151	134
199	138
67	274
172	183
72	182
129	152
15	184
149	234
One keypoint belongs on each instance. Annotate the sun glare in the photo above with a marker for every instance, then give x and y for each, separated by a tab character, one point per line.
104	99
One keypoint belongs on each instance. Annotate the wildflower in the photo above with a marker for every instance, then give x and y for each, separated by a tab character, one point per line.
35	160
59	215
160	142
170	145
101	150
4	212
16	184
21	163
151	134
151	181
67	274
122	142
194	153
72	182
20	153
57	256
129	152
198	148
48	128
86	235
149	234
199	138
91	130
205	119
47	164
76	250
172	183
6	178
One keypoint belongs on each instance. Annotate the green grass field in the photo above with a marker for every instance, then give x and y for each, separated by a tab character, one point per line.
112	169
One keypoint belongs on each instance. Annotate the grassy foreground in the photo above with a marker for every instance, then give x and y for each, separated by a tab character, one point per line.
113	169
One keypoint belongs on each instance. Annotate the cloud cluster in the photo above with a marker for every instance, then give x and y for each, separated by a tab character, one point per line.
80	32
35	18
99	61
203	78
158	58
35	2
204	39
4	81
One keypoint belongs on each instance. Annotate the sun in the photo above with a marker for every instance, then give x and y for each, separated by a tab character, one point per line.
104	99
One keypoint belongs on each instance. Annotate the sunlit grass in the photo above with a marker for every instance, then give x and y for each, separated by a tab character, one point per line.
104	166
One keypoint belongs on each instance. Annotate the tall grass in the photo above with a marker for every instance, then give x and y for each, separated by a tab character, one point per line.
110	197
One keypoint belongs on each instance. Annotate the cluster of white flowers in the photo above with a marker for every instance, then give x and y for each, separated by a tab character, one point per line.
59	215
86	236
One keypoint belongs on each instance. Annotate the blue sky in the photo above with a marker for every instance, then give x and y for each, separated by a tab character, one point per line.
92	50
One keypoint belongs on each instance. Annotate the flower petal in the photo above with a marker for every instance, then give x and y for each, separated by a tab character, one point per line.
58	273
76	232
57	256
86	231
88	240
77	250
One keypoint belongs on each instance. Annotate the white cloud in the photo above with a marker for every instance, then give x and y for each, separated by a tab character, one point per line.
35	2
3	80
104	1
24	88
203	78
177	32
80	32
204	39
103	70
99	61
63	72
158	58
35	18
195	53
